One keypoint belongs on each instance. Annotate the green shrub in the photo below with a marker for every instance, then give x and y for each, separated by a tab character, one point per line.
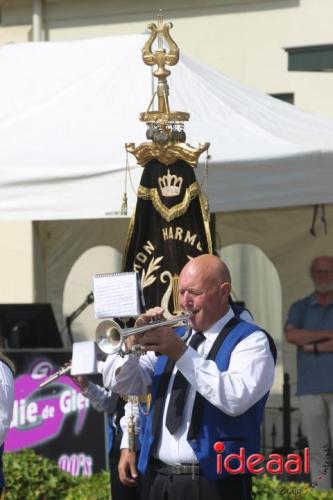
32	477
96	487
269	488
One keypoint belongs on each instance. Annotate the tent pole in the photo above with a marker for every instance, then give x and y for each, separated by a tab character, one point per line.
37	20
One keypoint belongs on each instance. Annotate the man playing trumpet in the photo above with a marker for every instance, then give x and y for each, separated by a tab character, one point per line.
212	388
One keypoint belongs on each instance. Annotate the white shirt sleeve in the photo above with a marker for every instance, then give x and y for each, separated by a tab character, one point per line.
130	375
130	409
98	396
6	400
249	377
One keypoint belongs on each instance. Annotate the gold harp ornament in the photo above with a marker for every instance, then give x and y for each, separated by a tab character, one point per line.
165	128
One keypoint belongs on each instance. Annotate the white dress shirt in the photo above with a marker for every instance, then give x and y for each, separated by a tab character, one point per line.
6	399
248	378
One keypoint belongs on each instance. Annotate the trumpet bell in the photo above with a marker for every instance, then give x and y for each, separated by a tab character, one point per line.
108	337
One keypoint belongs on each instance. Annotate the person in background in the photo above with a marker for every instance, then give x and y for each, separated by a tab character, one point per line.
219	381
103	400
7	371
309	326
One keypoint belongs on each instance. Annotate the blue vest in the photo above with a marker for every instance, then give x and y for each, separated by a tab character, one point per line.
110	433
234	432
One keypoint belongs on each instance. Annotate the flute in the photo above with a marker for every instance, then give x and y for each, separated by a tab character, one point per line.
62	371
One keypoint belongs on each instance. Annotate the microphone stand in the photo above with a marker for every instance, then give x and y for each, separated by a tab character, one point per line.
69	319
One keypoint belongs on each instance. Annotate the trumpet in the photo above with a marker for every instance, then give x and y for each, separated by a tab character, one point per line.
110	339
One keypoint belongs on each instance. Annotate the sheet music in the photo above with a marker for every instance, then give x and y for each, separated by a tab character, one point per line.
84	358
116	295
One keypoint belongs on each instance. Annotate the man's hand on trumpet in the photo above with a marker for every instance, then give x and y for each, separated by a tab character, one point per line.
153	315
165	341
160	339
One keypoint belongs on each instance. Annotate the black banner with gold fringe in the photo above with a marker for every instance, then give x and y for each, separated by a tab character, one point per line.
170	226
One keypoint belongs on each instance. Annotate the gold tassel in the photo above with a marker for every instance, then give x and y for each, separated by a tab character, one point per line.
123	210
124	207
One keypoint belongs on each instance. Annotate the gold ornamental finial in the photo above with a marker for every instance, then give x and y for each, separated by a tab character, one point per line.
161	58
165	128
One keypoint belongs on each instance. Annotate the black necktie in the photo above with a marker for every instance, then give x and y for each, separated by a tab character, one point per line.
178	392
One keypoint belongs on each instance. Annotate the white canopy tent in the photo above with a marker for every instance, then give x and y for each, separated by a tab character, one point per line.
68	108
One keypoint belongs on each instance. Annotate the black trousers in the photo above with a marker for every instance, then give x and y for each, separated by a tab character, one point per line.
120	491
160	486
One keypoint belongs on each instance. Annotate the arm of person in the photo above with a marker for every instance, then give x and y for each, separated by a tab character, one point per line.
99	397
295	332
128	473
6	400
317	347
300	337
249	377
130	375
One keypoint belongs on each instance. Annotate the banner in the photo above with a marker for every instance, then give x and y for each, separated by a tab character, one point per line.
170	226
57	420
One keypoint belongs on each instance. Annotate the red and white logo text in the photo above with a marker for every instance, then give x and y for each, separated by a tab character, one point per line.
256	463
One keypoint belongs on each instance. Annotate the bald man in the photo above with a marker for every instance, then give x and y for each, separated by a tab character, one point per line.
210	389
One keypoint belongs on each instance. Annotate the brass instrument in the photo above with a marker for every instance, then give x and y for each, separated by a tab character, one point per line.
110	338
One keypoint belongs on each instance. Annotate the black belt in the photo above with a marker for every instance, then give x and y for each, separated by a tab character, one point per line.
169	470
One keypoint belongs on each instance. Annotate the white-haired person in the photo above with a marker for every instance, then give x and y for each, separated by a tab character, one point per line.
309	326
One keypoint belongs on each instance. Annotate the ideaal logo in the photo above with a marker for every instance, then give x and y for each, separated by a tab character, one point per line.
238	463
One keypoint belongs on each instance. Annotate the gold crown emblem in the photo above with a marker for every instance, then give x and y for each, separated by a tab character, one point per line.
170	184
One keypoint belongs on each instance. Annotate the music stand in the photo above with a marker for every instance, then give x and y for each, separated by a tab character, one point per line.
29	326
